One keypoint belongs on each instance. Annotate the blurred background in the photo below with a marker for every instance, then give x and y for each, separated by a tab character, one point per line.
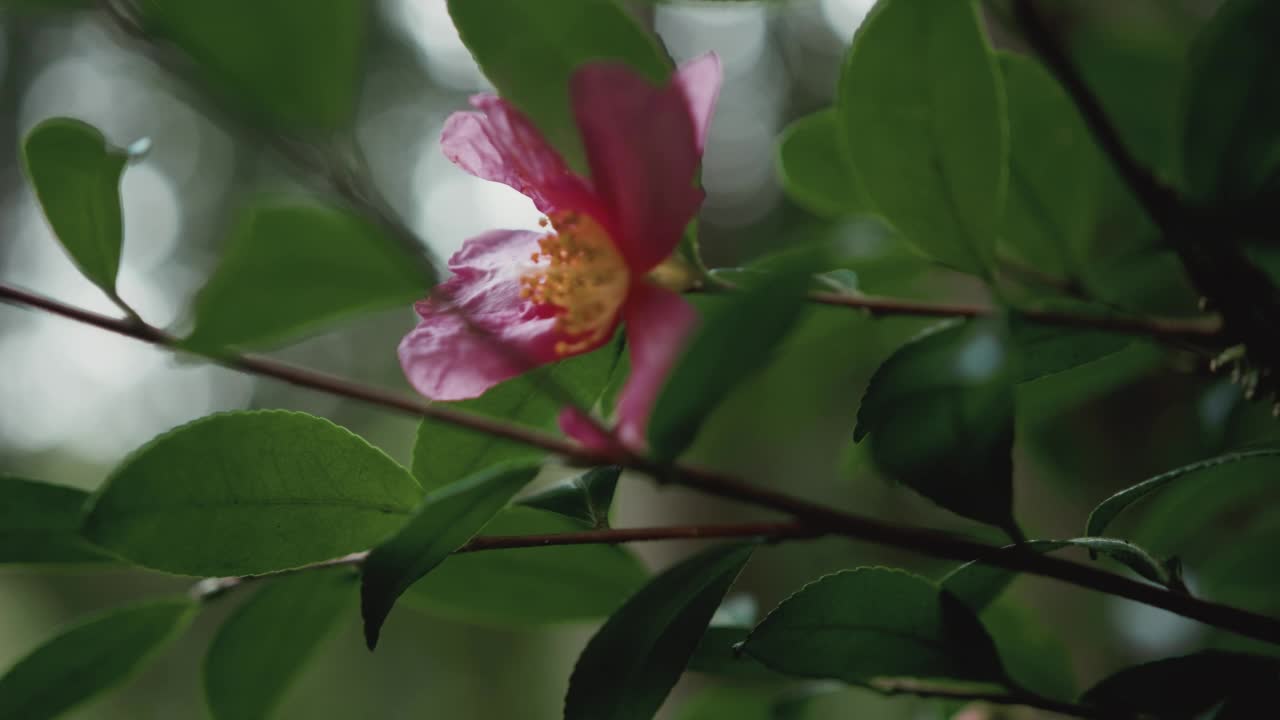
75	400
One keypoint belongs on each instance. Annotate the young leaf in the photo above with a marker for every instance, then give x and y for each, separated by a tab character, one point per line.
249	492
1184	686
633	661
40	524
91	657
921	106
75	173
260	650
940	415
529	51
290	269
587	497
1108	509
296	66
813	169
446	453
447	518
872	624
524	587
736	340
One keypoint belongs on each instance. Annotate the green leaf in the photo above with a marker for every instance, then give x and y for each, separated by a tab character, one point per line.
587	497
1108	509
40	524
291	269
242	493
813	168
446	453
735	340
1184	686
447	518
940	415
262	648
729	703
922	109
529	52
91	657
1033	654
1231	141
873	624
524	587
295	67
1048	350
633	661
76	173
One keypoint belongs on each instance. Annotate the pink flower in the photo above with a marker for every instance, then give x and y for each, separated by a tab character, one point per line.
547	295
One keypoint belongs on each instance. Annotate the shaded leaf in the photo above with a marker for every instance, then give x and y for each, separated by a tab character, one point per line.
1184	686
813	169
40	523
1034	656
729	703
1047	350
241	493
586	497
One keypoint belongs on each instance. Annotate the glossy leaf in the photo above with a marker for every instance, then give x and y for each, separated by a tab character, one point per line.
447	518
632	662
446	453
40	524
940	415
249	492
524	587
813	168
1184	686
529	51
1109	509
292	269
90	658
76	173
922	108
262	648
586	497
875	624
293	67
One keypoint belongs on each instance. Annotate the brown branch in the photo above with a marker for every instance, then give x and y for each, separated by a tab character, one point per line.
1023	698
817	518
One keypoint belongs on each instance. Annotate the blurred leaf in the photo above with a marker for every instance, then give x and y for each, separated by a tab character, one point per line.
530	50
242	493
296	66
530	586
1033	654
446	453
978	584
940	415
632	662
76	173
91	657
262	648
293	269
40	524
921	104
586	497
1049	397
447	518
813	168
1183	687
735	340
1047	350
873	624
1231	143
1108	509
728	703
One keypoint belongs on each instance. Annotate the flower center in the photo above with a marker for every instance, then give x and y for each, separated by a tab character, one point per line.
581	274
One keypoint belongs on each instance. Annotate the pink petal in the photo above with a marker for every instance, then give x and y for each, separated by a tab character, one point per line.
700	80
642	147
445	358
588	433
500	144
658	324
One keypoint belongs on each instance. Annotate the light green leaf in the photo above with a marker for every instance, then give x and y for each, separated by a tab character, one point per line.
262	648
1183	687
447	518
586	497
522	587
922	108
75	173
292	269
633	661
813	167
90	658
529	52
40	524
249	492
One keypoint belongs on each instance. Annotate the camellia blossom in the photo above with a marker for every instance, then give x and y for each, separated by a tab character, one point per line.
521	297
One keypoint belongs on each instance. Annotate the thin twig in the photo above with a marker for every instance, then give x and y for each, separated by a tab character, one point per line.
1025	699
